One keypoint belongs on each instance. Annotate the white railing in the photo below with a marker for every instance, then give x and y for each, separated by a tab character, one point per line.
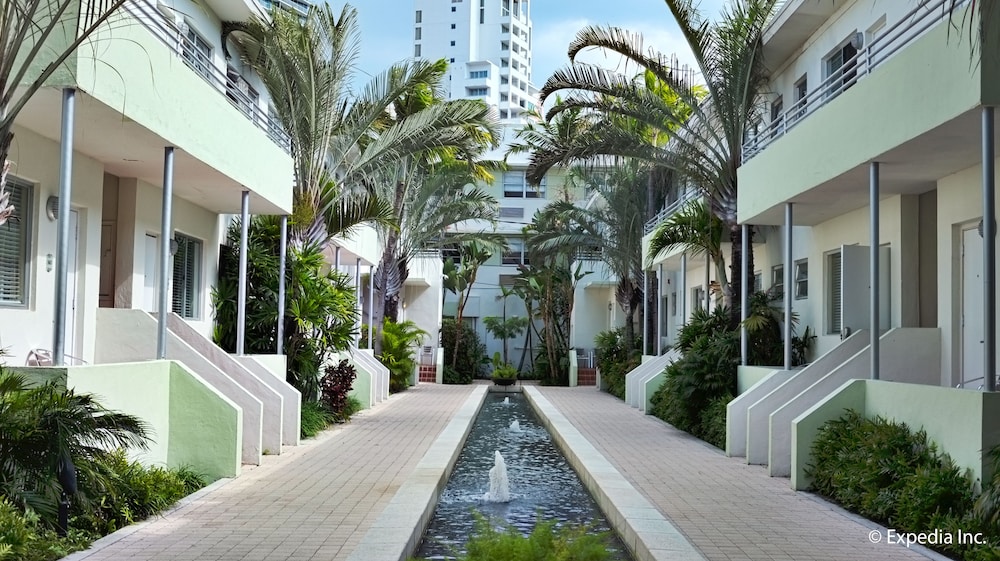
670	209
174	38
880	49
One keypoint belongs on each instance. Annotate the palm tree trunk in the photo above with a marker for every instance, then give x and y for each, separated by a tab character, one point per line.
736	268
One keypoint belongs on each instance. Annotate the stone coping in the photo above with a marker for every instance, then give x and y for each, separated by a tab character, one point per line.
646	532
398	530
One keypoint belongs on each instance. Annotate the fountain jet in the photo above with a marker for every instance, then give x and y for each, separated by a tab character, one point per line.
499	486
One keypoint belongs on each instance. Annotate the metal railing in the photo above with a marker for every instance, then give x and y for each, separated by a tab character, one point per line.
854	69
670	209
174	38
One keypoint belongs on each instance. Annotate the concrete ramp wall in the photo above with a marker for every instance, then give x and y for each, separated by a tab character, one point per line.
736	411
125	335
365	359
759	410
906	355
291	411
261	388
635	380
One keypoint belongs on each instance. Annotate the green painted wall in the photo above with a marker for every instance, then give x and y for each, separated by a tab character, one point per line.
362	387
748	376
805	428
929	83
205	428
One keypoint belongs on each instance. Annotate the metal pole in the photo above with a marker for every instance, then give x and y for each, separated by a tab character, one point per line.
708	283
989	251
62	240
282	257
357	292
645	312
371	305
166	240
682	289
336	259
788	286
744	298
241	294
875	321
659	310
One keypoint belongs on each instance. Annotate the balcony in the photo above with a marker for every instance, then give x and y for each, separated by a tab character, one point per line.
228	83
896	38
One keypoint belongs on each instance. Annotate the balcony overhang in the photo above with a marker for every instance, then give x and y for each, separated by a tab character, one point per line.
793	25
128	149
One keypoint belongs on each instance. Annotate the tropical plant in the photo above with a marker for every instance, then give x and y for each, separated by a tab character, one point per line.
36	38
696	230
335	388
470	352
705	147
321	308
459	280
315	418
616	358
46	429
505	329
399	351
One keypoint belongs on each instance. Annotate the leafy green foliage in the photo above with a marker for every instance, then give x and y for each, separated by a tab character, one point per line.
886	472
547	542
335	386
615	359
24	538
315	417
42	426
321	305
505	328
469	353
399	351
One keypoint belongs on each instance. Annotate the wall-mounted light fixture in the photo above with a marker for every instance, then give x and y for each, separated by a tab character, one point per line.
52	208
858	41
174	246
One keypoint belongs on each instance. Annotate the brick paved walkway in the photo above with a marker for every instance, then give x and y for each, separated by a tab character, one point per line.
315	502
726	508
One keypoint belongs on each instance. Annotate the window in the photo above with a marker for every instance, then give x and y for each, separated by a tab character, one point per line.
801	92
504	97
453	26
185	300
698	295
479	74
241	93
417	34
479	91
420	16
452	43
514	254
515	185
835	297
508	280
14	243
503	113
778	279
802	279
452	61
758	281
840	68
197	53
673	303
504	80
777	108
416	51
453	8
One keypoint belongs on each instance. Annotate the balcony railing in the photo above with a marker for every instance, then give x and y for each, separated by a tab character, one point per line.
853	70
670	209
236	91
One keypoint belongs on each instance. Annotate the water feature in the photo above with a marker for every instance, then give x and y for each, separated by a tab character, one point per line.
541	483
499	481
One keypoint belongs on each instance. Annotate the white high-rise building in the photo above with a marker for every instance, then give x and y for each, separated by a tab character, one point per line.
487	44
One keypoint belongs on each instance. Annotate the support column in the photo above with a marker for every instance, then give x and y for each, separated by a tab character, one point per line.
788	286
874	321
371	306
989	251
659	310
744	298
241	295
62	232
336	259
708	283
645	312
357	292
166	240
282	257
682	289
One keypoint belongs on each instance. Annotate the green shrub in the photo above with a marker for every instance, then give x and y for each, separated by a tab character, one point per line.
315	417
884	471
335	387
399	343
24	538
546	542
615	359
712	425
471	353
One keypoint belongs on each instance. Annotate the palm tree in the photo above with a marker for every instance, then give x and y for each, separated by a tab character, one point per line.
36	38
705	150
613	227
696	230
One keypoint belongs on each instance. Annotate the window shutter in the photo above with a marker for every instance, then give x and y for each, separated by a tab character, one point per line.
835	292
187	260
13	246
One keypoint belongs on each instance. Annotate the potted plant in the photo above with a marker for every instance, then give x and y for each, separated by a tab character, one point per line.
503	374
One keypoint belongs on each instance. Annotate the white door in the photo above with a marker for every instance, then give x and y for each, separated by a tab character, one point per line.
972	309
150	269
72	270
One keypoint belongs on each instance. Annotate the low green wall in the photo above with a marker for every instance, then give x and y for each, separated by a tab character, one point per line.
963	423
362	387
206	428
748	376
38	375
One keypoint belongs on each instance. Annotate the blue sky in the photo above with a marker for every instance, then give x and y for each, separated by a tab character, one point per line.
387	29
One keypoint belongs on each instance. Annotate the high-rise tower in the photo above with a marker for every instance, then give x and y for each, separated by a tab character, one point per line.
487	44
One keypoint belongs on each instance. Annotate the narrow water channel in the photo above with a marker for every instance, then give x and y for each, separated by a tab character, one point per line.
542	483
